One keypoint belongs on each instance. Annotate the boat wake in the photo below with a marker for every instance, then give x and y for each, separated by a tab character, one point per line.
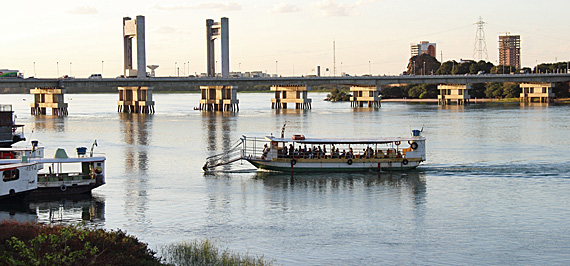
508	169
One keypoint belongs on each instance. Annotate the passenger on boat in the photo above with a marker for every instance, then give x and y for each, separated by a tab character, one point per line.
343	154
350	153
265	152
309	154
285	154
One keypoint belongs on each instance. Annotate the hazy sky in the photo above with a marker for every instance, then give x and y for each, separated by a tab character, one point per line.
77	35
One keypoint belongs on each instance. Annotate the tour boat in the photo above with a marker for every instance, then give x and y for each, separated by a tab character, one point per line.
301	154
17	179
64	175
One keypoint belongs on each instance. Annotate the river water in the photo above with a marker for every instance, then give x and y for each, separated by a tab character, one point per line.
494	189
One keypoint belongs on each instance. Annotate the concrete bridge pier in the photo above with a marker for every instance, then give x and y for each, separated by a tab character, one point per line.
457	92
48	98
293	94
365	94
135	100
218	98
541	91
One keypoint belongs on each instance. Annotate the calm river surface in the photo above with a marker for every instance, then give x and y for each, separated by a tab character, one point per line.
495	189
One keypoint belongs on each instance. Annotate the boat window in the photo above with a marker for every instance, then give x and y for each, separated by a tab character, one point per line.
10	175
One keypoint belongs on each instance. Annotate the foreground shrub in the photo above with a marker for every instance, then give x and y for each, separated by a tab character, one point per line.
206	253
37	244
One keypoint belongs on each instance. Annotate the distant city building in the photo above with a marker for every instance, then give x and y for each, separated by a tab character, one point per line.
424	47
510	50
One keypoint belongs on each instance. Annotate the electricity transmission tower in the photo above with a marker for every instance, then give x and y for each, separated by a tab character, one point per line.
480	44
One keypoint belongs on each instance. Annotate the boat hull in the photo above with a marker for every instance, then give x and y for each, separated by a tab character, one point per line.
310	165
64	188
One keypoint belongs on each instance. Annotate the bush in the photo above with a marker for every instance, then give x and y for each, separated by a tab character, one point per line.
36	244
206	253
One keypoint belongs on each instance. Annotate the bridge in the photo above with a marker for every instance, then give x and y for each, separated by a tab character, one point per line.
159	82
220	93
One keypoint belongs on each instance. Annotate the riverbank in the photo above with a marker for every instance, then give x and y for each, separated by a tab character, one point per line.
476	100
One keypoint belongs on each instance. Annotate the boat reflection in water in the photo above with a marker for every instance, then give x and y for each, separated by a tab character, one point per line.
410	184
414	179
88	209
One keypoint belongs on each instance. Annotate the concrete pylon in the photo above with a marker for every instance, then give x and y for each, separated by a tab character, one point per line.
216	30
132	28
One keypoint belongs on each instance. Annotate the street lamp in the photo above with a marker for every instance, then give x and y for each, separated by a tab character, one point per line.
57	65
239	67
424	67
70	68
369	71
34	69
276	73
175	67
102	62
341	68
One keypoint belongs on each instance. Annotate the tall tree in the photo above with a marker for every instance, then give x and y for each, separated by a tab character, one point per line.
423	64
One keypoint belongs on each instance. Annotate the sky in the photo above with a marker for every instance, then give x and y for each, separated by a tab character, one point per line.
290	38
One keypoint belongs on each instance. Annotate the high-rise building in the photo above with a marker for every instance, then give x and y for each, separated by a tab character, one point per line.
510	50
424	47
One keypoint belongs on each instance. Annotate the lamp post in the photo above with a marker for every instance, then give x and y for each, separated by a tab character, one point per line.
102	63
57	65
341	68
70	68
175	67
34	69
239	67
424	68
369	70
276	73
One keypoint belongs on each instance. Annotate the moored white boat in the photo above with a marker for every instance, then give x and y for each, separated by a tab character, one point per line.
17	179
60	175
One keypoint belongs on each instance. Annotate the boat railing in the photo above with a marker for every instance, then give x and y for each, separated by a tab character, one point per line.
371	154
235	153
254	147
69	176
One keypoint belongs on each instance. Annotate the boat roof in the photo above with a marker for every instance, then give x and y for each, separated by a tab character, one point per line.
28	148
69	160
14	165
345	141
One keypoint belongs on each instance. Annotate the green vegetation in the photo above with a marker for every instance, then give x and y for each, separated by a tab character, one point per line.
338	95
423	64
206	253
37	244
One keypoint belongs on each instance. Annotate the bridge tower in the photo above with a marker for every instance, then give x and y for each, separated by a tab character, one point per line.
365	94
135	100
541	91
48	98
293	94
216	30
131	29
458	92
218	98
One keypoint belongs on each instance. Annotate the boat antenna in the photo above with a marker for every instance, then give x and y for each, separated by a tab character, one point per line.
283	130
92	146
